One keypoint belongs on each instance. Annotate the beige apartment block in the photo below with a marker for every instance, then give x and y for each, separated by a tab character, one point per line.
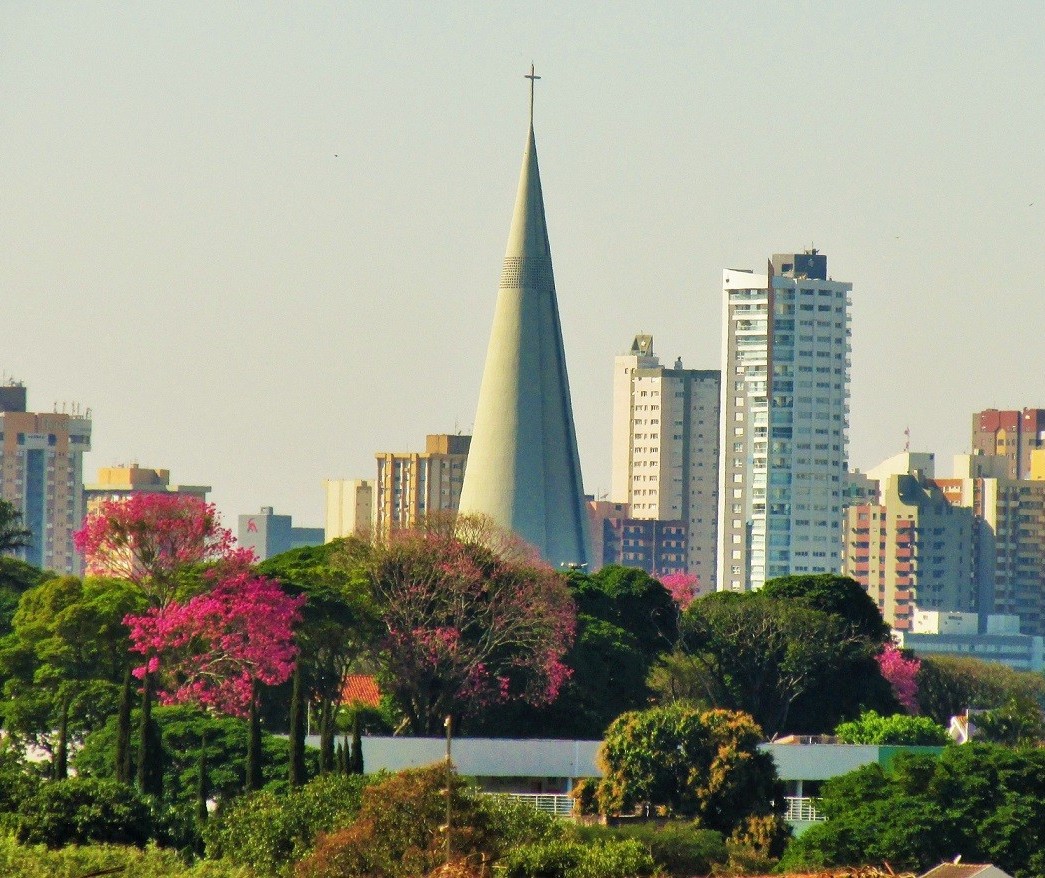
913	550
411	485
41	475
120	482
665	448
349	508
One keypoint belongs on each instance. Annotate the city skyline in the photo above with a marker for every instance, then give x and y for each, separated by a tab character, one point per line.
245	241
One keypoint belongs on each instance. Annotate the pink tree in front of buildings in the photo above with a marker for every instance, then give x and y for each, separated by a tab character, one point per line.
902	674
683	587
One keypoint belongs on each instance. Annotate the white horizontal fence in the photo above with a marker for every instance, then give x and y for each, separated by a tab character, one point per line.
801	809
549	803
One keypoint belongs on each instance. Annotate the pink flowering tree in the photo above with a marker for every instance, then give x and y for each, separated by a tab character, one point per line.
683	588
152	539
465	628
902	674
216	648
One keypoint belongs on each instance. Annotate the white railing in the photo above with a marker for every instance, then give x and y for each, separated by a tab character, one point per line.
801	810
549	803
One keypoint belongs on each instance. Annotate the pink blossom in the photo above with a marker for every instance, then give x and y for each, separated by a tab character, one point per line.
214	649
683	587
902	674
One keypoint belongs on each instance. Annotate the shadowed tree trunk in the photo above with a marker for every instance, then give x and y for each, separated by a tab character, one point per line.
297	731
253	780
355	760
61	753
123	730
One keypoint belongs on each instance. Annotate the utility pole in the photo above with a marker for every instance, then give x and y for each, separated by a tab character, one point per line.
449	786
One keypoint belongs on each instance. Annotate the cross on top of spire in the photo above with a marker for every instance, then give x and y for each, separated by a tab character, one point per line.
533	79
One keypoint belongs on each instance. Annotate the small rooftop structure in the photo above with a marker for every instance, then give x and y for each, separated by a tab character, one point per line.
965	870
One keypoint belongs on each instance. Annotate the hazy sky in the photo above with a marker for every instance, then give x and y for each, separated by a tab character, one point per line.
263	241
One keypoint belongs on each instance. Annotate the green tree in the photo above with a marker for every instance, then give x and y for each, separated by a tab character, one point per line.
64	660
625	621
338	629
13	536
183	729
983	802
16	578
948	685
1018	722
799	655
688	763
83	810
900	728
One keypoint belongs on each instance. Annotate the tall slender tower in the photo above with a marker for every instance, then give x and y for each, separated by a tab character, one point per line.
523	468
785	415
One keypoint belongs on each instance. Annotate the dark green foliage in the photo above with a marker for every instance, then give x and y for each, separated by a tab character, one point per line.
13	535
630	599
838	596
625	858
983	802
871	728
16	578
182	728
297	729
269	832
799	655
149	764
1018	722
626	619
947	685
678	848
82	810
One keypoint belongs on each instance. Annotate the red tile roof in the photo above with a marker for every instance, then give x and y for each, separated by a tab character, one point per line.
361	689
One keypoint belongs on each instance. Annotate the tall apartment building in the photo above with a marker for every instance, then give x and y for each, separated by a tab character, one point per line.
665	449
1012	435
349	508
785	417
411	485
1009	539
120	482
912	550
41	475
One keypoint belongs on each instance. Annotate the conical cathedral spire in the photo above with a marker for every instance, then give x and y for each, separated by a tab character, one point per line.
523	467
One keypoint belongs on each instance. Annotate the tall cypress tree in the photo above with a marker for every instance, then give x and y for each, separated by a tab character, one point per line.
297	730
150	746
254	746
202	781
123	730
326	737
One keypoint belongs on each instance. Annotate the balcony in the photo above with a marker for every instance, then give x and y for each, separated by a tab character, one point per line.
801	809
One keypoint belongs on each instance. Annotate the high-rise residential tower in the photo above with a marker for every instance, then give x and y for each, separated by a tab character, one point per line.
785	414
413	484
41	475
523	467
1012	435
665	448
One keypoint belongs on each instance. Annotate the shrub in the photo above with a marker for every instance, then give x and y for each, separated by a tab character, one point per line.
81	810
678	847
570	859
871	728
268	832
25	861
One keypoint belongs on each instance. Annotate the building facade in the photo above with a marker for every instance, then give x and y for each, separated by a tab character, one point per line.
656	546
41	475
411	485
1011	435
349	508
665	449
268	534
912	551
120	482
784	421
